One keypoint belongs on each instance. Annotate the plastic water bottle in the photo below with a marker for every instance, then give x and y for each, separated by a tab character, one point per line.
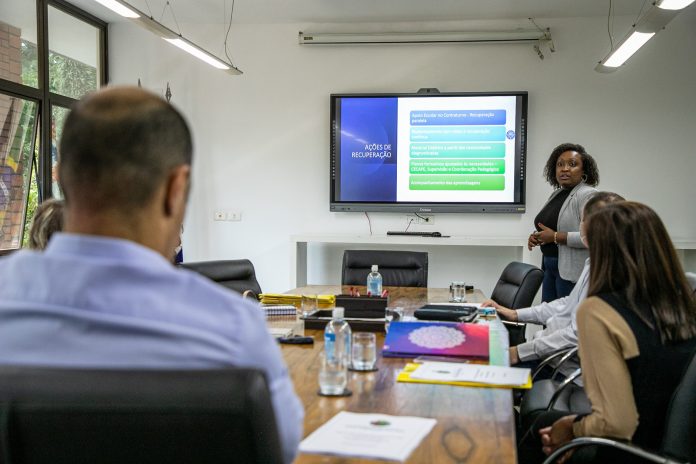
499	333
374	282
337	337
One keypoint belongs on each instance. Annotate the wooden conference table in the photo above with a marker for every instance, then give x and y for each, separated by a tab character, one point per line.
474	425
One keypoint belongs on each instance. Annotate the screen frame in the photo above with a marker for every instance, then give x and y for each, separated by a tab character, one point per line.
432	207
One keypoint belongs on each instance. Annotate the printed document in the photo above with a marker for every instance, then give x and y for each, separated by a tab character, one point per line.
479	373
377	436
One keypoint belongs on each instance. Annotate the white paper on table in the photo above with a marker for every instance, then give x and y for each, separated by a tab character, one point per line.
480	373
379	436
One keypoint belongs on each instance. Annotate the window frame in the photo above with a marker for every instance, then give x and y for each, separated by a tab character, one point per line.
43	96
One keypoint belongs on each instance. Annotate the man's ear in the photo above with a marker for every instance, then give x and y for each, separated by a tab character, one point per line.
177	189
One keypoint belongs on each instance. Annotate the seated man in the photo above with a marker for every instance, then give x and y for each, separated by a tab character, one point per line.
558	316
104	293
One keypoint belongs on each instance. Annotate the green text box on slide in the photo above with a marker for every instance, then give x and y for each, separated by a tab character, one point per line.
447	166
457	150
456	182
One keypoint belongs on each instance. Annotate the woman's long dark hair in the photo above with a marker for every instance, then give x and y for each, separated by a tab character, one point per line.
633	257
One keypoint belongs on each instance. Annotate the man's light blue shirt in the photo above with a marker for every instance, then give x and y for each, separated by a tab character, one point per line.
90	301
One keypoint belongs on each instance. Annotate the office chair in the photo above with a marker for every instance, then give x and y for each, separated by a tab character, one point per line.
554	393
79	416
679	439
398	268
516	288
235	274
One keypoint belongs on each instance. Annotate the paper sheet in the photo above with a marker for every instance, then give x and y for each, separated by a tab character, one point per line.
377	436
480	373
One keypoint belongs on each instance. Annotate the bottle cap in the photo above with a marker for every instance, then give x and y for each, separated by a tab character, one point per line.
375	268
338	313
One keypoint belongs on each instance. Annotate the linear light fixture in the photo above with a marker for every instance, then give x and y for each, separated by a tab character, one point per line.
511	36
128	11
652	22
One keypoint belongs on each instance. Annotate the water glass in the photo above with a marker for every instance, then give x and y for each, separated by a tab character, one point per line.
458	292
392	314
333	374
364	351
309	304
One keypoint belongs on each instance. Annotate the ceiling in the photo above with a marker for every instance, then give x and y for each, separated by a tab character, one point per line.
360	11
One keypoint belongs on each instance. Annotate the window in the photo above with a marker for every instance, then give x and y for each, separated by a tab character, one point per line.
51	54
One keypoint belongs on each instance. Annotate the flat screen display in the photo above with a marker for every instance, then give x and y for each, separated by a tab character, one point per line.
445	152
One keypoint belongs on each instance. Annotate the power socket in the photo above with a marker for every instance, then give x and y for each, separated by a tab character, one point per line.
421	219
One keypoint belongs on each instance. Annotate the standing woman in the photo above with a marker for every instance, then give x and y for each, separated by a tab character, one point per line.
573	173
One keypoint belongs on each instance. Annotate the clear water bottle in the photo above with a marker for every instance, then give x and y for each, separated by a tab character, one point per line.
337	337
374	282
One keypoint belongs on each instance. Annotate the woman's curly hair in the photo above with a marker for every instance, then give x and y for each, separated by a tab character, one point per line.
589	166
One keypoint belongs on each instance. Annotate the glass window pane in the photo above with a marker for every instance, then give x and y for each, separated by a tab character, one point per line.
18	119
58	115
73	56
18	52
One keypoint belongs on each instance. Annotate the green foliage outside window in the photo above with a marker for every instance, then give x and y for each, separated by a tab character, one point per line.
67	77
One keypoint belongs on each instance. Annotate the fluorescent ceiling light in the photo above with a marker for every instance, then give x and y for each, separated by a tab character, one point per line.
198	53
674	4
119	8
650	23
519	35
627	48
147	22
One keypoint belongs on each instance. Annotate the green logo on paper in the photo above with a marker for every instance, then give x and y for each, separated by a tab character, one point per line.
380	423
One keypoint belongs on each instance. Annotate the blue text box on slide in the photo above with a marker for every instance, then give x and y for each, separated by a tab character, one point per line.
458	134
458	117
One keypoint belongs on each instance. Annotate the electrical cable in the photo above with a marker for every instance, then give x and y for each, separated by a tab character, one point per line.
609	18
640	12
408	225
369	221
228	32
425	219
149	9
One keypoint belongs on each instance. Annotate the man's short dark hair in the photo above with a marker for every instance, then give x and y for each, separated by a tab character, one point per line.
118	145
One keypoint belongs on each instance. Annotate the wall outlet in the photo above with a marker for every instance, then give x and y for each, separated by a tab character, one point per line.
421	219
229	216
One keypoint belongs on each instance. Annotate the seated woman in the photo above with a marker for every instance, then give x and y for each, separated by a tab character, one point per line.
636	331
48	219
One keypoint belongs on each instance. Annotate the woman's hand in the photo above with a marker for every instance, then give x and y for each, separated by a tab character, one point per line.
545	235
532	241
560	433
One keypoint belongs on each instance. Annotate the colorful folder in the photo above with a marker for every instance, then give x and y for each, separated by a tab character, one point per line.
452	339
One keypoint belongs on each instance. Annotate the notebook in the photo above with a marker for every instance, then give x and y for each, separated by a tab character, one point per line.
456	339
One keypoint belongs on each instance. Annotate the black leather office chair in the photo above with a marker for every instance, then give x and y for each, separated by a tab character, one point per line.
516	288
235	274
679	439
398	268
61	416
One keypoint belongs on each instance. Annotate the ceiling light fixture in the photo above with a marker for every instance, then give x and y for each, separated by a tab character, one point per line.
511	36
674	4
128	11
652	22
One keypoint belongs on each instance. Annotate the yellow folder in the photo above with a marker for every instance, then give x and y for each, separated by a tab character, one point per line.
405	376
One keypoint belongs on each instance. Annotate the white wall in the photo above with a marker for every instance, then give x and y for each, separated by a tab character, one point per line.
262	138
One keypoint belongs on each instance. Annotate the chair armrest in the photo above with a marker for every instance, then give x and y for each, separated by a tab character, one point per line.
562	386
569	354
548	360
626	447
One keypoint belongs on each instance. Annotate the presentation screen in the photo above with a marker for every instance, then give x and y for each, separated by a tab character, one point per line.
445	152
